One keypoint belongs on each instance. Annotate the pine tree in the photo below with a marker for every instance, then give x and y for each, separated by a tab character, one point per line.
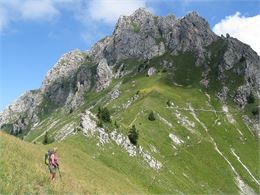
255	111
46	138
133	135
168	103
99	113
251	99
151	116
105	115
116	125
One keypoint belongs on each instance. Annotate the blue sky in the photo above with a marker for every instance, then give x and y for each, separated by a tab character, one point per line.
35	33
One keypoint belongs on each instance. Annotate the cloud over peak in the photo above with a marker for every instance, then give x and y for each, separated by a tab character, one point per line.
109	10
246	29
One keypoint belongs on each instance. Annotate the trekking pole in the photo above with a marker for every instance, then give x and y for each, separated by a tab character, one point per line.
59	172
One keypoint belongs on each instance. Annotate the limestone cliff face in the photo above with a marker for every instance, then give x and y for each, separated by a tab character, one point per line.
58	82
244	62
23	112
141	36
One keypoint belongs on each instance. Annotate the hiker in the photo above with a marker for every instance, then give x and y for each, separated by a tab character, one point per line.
53	163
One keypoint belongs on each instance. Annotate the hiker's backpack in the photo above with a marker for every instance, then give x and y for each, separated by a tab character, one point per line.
47	157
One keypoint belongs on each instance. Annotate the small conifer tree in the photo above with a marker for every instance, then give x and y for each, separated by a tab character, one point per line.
133	135
151	116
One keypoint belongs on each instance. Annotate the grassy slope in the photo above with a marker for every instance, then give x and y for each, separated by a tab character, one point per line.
22	169
198	152
192	167
180	166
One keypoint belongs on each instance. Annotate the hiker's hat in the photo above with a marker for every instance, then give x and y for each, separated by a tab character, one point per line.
55	149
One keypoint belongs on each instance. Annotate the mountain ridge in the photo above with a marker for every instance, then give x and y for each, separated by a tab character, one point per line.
191	95
66	83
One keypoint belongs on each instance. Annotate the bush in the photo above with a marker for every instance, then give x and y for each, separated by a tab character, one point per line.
255	111
100	124
116	125
151	116
133	135
77	129
251	99
47	139
164	70
103	115
169	103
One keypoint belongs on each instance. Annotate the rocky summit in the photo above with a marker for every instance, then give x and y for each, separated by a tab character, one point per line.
165	95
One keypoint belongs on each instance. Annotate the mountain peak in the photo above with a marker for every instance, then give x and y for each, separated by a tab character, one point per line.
193	14
141	12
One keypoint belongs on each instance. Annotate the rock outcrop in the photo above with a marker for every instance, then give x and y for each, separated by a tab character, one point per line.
89	128
19	115
143	35
104	75
58	81
244	62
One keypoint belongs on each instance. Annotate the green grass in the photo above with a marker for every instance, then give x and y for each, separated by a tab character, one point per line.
23	169
193	167
136	27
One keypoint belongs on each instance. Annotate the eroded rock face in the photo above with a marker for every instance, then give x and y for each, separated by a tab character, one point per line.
143	35
190	33
245	63
22	112
104	75
59	80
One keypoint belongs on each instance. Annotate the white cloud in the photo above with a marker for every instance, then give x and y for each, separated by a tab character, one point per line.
109	11
17	10
246	29
35	10
3	19
96	15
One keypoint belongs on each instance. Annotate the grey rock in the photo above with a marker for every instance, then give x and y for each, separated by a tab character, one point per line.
64	68
151	71
222	95
22	112
90	128
143	35
104	75
58	82
245	62
241	95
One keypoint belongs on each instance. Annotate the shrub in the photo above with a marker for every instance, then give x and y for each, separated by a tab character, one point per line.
251	99
103	114
164	70
168	103
77	129
100	124
47	139
116	125
151	116
255	111
133	135
136	27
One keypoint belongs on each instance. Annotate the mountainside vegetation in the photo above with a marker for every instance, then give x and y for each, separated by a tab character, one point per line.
152	109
